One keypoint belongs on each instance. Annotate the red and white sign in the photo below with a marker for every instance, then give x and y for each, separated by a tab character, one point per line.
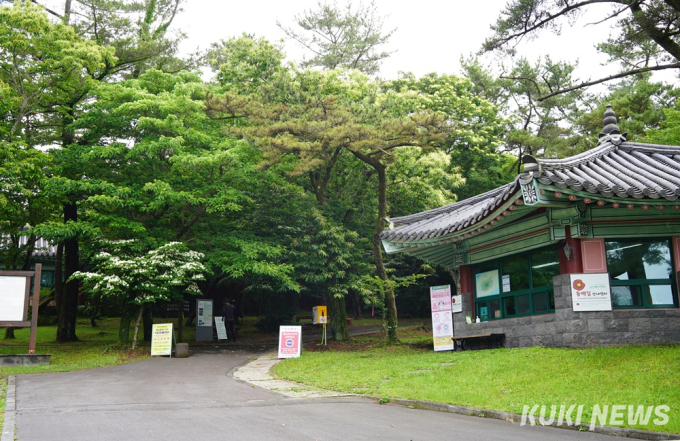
590	292
440	298
290	341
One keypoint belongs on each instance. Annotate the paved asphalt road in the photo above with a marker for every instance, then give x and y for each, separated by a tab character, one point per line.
197	398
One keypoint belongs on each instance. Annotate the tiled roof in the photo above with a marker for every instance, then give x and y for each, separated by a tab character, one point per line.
615	168
42	247
629	170
450	218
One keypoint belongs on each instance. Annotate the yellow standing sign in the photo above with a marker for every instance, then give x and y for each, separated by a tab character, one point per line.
161	339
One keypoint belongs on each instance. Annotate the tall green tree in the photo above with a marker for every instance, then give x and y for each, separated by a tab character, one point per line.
349	37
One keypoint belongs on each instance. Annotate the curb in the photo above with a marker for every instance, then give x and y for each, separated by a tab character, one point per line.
10	410
514	418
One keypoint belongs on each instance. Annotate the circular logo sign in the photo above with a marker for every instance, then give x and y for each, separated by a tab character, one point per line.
289	342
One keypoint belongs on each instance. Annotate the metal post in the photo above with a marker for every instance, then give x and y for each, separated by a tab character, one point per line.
36	305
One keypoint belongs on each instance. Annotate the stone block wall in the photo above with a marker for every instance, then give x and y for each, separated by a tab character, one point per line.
566	328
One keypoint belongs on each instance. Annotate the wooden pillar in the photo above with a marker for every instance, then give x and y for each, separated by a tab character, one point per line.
573	265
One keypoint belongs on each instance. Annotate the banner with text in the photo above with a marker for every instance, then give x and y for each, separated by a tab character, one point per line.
442	320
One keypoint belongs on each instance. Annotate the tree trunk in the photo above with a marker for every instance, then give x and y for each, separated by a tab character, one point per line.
338	318
126	317
9	333
180	320
66	323
390	301
139	319
58	282
355	301
148	323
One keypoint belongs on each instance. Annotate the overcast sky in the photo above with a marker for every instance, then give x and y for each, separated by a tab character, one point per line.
431	35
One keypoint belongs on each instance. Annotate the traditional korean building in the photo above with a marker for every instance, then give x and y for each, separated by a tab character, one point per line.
574	252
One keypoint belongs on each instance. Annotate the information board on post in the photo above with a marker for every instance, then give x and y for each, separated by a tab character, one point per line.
590	292
204	320
290	341
161	339
442	320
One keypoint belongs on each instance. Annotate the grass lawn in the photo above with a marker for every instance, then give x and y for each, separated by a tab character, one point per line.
500	379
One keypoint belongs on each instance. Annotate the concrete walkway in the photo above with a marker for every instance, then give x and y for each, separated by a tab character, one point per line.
227	392
257	373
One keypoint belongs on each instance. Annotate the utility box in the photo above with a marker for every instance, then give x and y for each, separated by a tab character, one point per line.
319	315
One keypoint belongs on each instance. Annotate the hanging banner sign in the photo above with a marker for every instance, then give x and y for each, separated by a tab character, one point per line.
220	328
290	341
161	339
442	320
590	292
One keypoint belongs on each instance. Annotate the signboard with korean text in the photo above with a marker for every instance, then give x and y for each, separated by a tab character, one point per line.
220	328
442	321
506	282
204	320
13	298
290	341
590	292
456	304
204	312
161	339
440	298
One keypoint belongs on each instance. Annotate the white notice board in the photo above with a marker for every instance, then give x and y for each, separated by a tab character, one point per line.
13	307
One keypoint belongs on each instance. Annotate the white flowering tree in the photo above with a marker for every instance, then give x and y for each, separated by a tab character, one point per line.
123	270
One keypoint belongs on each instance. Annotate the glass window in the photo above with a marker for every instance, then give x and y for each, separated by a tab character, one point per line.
639	259
626	296
642	273
509	306
523	304
544	266
516	285
540	302
659	294
495	309
516	268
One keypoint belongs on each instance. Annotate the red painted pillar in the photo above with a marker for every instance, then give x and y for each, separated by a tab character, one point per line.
466	285
573	265
466	279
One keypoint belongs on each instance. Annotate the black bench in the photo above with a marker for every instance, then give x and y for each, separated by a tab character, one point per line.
496	340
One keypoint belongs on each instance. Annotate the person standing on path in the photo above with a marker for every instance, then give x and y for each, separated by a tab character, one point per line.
228	319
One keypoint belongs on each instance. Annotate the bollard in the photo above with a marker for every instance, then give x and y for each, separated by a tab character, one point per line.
182	350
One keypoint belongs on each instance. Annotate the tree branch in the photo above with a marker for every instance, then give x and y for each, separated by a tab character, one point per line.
613	77
548	19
